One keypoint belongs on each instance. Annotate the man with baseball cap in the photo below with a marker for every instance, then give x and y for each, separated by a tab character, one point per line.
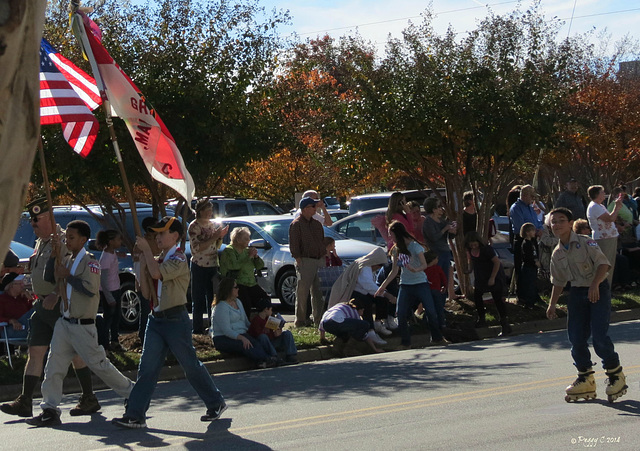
306	237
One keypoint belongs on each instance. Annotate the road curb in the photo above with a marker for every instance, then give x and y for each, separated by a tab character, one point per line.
238	364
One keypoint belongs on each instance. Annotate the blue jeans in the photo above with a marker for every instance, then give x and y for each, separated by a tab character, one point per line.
24	320
163	335
258	353
145	309
439	300
283	343
201	294
590	319
444	262
409	296
349	327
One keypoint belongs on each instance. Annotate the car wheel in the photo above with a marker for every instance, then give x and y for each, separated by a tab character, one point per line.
287	288
129	306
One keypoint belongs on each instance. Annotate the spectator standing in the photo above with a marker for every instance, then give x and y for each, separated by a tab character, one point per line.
530	265
436	230
206	238
520	213
416	217
469	214
321	214
571	199
240	262
397	210
579	260
602	224
306	243
110	241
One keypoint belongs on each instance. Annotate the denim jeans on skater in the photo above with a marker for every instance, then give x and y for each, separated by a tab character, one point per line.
201	294
164	335
409	297
586	319
259	352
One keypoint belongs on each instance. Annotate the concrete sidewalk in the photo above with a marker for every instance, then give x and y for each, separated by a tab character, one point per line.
237	364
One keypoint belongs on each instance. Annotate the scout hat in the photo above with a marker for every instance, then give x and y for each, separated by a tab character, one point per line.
37	207
168	223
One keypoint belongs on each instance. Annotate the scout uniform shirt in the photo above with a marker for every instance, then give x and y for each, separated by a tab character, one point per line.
38	262
172	289
82	288
578	263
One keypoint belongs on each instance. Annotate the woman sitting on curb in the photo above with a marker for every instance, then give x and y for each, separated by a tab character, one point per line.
230	326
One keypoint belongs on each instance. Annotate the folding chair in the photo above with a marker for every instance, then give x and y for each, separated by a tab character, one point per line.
8	341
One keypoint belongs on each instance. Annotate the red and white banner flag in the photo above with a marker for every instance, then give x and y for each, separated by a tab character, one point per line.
67	96
155	144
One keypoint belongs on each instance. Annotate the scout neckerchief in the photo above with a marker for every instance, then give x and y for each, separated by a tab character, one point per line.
72	271
167	256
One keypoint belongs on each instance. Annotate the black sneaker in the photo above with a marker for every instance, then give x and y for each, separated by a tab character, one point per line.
291	360
214	414
21	406
127	422
87	405
47	418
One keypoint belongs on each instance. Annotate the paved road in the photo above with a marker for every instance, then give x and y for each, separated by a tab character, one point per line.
494	394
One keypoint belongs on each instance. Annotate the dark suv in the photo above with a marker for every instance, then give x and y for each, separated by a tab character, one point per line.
97	220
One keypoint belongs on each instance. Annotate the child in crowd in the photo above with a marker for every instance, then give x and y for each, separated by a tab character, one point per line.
488	276
438	285
344	321
528	292
168	329
75	332
109	241
281	340
331	258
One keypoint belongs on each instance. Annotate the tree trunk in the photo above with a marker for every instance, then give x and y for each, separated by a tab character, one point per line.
21	24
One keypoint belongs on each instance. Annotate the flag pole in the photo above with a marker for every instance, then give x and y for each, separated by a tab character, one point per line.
80	35
54	228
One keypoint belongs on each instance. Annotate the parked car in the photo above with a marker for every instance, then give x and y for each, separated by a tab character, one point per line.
224	207
270	235
23	252
372	201
337	215
332	203
358	227
97	220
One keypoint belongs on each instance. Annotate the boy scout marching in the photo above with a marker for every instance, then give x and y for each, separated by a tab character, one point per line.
75	331
44	320
579	260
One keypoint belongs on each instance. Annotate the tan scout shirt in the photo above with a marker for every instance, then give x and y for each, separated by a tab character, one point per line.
175	281
85	304
38	262
578	263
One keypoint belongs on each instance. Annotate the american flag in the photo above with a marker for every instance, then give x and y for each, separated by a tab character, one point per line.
67	96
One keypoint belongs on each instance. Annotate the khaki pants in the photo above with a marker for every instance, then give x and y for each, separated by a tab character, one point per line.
609	247
82	339
307	273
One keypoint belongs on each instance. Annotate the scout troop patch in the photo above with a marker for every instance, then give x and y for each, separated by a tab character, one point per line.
178	256
592	243
94	267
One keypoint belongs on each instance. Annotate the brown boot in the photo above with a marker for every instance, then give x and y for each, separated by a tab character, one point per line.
87	405
21	407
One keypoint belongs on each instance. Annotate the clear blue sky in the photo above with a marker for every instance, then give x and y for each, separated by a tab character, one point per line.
375	19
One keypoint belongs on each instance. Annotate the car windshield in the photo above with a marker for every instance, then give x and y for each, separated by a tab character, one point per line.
279	230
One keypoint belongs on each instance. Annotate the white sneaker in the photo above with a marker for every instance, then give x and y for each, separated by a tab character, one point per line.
376	338
392	323
380	329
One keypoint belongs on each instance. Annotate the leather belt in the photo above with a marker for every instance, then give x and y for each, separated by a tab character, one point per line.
83	321
170	312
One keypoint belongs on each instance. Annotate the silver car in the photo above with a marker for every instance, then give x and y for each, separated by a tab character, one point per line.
270	235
